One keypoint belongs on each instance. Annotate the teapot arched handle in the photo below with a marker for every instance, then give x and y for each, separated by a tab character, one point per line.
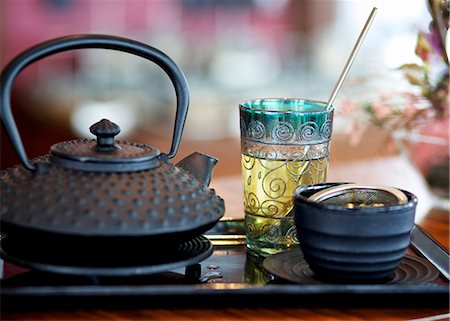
57	45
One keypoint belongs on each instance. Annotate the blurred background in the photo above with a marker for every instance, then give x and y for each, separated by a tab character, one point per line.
229	50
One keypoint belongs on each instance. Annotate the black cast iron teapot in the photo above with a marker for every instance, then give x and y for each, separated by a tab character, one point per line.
103	188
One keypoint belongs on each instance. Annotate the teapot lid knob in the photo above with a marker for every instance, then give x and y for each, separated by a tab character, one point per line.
105	154
105	131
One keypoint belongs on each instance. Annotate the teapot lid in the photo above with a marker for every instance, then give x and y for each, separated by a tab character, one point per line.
104	154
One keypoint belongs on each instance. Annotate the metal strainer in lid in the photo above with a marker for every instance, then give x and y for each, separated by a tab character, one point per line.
357	195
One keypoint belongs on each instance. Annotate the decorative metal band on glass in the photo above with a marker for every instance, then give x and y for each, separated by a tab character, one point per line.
284	143
285	122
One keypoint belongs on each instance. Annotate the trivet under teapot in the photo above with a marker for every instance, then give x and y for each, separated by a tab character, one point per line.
105	188
113	261
291	266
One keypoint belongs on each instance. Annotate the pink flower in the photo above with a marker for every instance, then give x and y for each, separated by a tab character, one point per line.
433	40
347	106
424	48
381	111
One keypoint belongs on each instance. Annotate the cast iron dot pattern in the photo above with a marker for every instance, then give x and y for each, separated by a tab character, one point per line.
165	199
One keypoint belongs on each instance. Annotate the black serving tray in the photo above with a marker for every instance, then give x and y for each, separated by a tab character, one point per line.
230	276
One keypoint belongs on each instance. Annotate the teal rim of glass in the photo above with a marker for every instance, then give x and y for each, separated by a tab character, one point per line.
286	121
286	105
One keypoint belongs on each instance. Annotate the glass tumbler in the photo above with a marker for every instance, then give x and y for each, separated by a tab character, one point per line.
284	144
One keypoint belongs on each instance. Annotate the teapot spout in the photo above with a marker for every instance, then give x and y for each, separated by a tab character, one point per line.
200	165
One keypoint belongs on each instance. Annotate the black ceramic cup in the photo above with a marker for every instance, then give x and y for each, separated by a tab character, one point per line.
360	244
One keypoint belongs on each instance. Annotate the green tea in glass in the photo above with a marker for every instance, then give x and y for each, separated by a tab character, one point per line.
284	144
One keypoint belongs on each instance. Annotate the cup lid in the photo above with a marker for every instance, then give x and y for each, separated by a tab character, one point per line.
359	195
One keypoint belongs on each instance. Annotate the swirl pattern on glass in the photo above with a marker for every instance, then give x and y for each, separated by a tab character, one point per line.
284	133
271	174
284	144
